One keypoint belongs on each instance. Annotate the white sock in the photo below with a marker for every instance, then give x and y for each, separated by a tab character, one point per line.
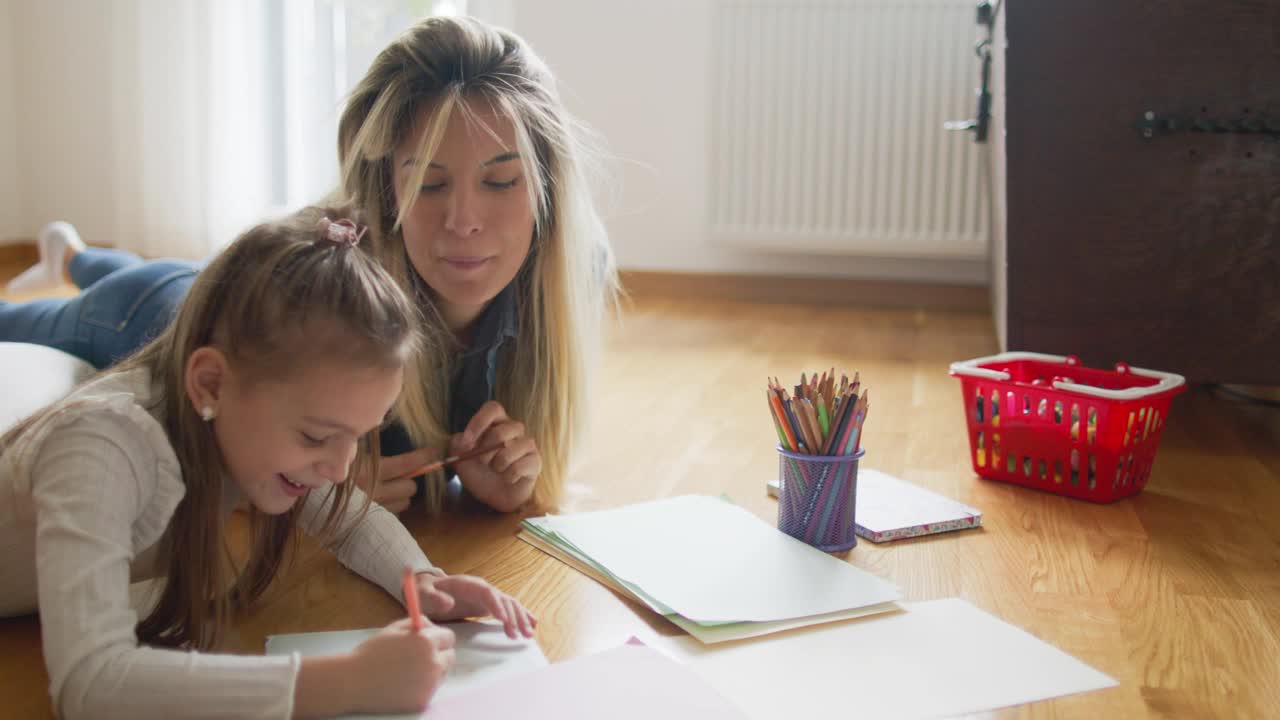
55	240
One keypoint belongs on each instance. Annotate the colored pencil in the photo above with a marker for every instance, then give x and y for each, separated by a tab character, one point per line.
825	416
438	464
411	600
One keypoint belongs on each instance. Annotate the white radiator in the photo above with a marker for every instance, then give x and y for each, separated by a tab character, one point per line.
827	129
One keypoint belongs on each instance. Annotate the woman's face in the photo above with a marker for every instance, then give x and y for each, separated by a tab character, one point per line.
470	225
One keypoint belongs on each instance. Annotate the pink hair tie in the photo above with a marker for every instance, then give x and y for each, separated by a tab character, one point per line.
343	232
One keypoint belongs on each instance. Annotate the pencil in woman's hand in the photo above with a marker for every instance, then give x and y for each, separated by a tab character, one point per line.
438	464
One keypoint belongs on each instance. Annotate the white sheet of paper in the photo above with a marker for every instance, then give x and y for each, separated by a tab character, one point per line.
886	503
722	632
940	658
558	547
626	683
712	561
484	655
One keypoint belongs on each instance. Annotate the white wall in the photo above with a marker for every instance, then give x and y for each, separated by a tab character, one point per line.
11	224
62	95
640	74
637	72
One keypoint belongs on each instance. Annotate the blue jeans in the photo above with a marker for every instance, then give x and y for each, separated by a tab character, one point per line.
124	302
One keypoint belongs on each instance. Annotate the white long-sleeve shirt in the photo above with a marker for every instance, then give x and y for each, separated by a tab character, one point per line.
84	499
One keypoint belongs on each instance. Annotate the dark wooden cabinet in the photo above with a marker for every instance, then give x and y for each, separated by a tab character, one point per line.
1157	248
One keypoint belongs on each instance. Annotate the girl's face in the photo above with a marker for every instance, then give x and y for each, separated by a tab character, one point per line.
282	439
470	226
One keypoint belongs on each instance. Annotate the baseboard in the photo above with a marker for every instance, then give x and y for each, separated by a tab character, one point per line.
645	284
1267	394
642	284
21	252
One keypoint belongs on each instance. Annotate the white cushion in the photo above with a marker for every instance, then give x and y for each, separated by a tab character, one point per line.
32	376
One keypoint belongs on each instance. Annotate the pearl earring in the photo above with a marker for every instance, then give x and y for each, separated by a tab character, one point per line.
206	413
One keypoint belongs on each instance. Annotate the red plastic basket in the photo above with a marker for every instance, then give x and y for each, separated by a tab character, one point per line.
1049	423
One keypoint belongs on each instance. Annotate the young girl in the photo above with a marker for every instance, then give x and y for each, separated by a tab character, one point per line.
459	151
270	386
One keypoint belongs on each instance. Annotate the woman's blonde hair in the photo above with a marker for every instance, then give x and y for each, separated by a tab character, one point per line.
279	287
445	65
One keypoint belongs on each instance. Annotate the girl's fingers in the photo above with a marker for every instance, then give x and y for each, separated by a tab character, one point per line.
446	659
511	618
527	621
485	599
524	619
493	603
405	624
441	638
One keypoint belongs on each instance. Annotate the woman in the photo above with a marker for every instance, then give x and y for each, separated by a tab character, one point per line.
459	151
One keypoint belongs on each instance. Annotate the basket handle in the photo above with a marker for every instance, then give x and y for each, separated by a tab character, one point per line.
1166	381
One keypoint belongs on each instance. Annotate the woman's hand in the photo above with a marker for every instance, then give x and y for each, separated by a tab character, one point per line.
396	486
504	478
454	597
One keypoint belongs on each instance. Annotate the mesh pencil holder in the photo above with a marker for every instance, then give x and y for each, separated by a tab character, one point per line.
817	495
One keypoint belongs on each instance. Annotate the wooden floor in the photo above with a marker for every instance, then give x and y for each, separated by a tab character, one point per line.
1175	593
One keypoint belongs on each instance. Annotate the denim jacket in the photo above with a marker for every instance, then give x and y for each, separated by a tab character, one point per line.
475	372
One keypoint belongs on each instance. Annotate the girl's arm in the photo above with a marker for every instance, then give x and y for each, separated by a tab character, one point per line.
396	670
373	544
91	483
377	547
320	683
94	482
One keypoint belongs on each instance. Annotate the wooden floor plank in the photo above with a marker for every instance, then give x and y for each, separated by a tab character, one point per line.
1175	592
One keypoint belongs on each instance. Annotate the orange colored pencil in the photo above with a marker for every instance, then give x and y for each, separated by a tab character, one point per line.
411	600
780	417
438	464
793	406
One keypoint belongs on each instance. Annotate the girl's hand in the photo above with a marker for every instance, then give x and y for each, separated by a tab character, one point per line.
502	479
454	597
395	482
398	670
